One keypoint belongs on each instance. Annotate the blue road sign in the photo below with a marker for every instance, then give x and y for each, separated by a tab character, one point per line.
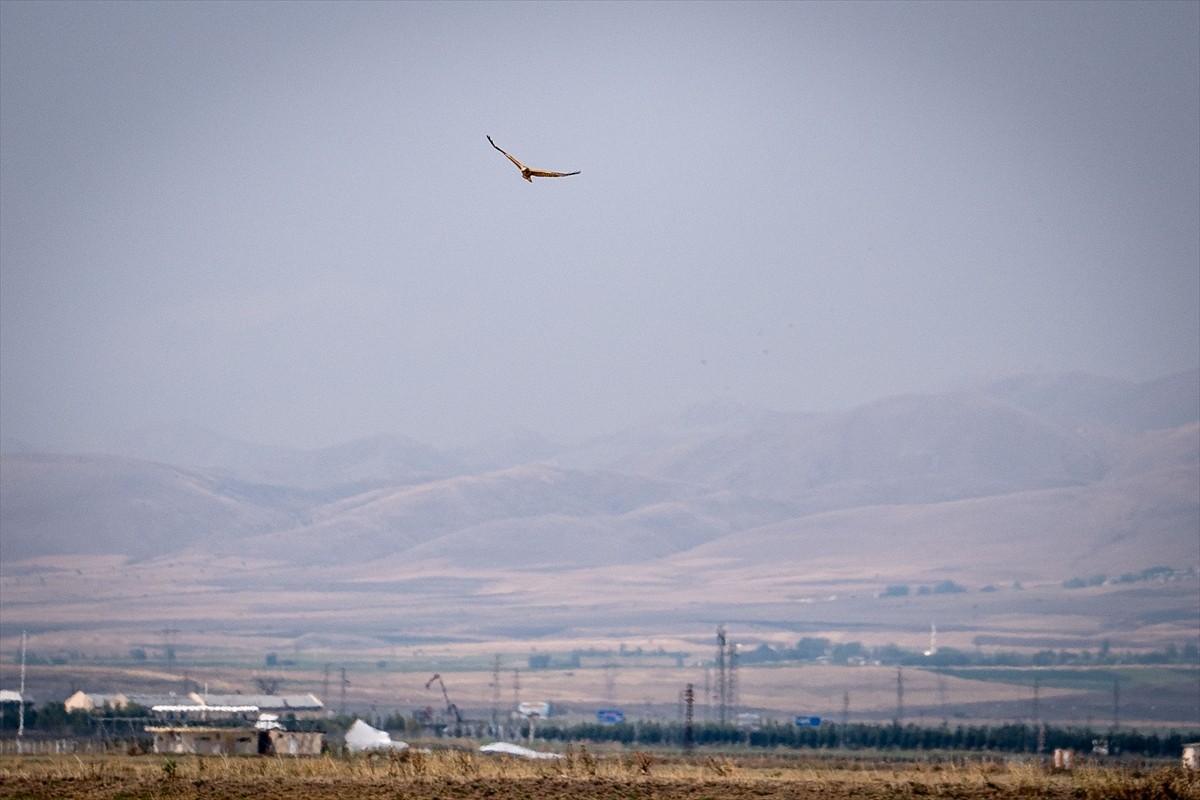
610	716
808	722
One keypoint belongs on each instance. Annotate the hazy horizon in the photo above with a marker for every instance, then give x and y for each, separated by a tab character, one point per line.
284	223
154	433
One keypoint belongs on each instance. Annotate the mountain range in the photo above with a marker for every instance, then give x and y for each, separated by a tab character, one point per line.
1082	459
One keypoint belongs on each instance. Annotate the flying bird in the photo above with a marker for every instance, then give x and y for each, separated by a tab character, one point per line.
528	173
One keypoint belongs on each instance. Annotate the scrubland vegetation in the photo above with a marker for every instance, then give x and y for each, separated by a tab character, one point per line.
579	774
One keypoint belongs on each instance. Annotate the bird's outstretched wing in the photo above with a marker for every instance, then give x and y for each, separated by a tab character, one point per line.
541	173
520	166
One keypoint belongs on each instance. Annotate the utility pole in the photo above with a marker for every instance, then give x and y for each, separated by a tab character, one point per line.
731	693
1116	703
21	704
1037	715
496	695
722	683
845	719
899	696
345	683
689	700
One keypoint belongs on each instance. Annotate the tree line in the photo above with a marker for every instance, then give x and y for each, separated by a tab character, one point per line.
818	649
1012	738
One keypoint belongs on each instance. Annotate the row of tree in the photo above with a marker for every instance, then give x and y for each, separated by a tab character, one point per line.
53	717
1013	738
812	648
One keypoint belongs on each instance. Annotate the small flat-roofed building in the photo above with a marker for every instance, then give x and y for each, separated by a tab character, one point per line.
205	741
241	741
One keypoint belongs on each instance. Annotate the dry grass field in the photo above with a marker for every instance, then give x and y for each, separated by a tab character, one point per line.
580	775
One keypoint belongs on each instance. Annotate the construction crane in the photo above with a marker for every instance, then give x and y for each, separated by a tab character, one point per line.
451	709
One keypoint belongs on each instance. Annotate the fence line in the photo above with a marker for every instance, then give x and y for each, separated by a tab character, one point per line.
39	746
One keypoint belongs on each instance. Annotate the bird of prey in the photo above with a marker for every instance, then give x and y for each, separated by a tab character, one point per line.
528	173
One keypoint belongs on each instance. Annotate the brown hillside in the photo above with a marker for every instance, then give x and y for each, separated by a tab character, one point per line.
63	504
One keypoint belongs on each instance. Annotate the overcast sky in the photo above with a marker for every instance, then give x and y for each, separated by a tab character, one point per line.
283	221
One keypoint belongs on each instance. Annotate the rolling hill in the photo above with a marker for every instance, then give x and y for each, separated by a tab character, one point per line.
95	505
1033	480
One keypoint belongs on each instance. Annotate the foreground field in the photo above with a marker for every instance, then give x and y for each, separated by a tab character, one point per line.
580	775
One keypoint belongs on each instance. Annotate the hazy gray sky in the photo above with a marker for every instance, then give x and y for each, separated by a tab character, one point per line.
284	222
